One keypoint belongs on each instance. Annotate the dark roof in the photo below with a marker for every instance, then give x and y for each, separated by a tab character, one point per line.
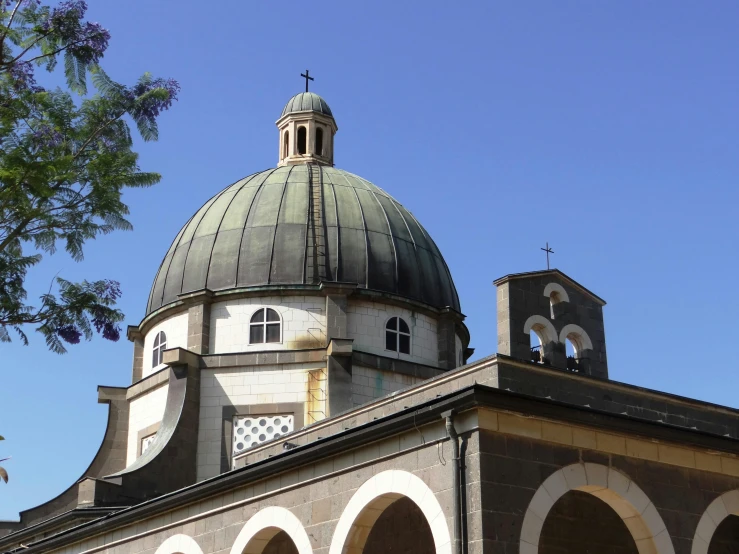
307	102
259	231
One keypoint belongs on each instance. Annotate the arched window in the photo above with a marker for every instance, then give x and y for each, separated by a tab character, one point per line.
397	336
160	345
286	146
319	142
302	140
264	326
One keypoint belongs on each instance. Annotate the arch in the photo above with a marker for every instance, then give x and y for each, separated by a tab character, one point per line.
319	141
398	335
542	327
722	507
612	487
302	139
181	544
577	335
157	351
286	145
557	288
376	494
264	525
265	326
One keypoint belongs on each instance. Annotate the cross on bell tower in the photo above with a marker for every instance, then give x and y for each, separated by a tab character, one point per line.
307	78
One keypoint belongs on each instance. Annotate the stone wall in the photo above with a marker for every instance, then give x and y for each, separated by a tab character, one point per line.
512	469
143	412
368	384
317	494
253	386
175	328
366	325
303	323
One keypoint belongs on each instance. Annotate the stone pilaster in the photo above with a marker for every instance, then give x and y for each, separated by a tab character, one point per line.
446	331
338	348
135	336
198	322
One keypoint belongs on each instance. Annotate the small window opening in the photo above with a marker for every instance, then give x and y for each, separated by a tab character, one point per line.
302	140
286	145
319	142
537	350
264	326
398	336
160	345
554	298
146	442
571	350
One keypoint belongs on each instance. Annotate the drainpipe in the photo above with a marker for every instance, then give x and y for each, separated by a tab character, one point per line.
456	487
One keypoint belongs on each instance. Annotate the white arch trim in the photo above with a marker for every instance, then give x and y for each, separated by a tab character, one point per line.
371	499
559	289
543	326
724	506
264	525
612	487
582	337
181	544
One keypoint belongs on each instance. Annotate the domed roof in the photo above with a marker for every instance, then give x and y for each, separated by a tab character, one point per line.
307	102
275	228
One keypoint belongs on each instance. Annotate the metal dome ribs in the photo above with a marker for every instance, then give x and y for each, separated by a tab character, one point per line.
256	233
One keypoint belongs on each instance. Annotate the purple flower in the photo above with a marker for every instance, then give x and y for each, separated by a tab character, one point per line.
91	43
152	107
87	42
22	75
69	333
111	332
47	136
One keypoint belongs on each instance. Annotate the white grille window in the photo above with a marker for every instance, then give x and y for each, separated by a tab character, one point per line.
249	431
146	443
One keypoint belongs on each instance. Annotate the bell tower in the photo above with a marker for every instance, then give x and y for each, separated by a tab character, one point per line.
307	128
553	309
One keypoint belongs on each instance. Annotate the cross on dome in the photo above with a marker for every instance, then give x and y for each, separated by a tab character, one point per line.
307	77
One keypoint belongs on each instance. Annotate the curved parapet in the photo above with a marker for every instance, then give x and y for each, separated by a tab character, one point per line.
110	457
170	462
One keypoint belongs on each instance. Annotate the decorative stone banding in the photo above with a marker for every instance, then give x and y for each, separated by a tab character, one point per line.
612	487
371	499
264	525
542	327
724	506
179	544
559	289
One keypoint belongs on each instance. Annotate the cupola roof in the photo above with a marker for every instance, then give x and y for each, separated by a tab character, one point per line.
307	102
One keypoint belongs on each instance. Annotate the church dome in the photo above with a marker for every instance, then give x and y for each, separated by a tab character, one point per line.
307	102
300	225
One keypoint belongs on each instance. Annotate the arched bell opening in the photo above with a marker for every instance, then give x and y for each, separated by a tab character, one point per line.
302	140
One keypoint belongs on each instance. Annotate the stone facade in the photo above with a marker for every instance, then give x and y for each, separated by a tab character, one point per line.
557	310
175	327
303	323
145	411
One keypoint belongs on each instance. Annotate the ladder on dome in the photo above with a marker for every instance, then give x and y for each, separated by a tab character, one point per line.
315	261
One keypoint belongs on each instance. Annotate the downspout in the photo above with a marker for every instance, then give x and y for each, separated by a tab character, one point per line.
456	488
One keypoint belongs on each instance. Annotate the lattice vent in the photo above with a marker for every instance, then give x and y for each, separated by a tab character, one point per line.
250	431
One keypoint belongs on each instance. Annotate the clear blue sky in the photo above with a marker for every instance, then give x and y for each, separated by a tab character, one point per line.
609	129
